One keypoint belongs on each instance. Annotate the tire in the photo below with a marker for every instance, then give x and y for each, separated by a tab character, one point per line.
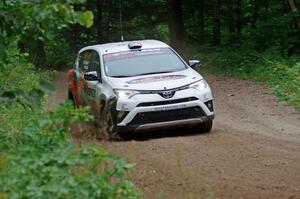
107	128
71	98
205	127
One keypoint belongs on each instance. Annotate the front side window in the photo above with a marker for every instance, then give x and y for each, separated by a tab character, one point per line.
89	61
95	64
142	62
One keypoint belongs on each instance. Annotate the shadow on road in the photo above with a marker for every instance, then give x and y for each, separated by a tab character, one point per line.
88	131
149	135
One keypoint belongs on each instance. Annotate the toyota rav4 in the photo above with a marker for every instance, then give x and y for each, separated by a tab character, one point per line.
140	86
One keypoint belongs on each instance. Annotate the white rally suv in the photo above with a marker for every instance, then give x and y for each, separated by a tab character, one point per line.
140	86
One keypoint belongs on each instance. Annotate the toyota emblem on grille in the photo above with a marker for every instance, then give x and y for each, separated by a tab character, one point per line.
167	94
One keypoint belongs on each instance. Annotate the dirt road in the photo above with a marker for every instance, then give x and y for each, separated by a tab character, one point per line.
253	150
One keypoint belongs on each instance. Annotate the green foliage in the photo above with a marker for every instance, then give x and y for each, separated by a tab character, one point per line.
85	18
58	54
30	24
276	30
40	19
66	172
18	81
286	81
282	73
38	159
259	41
41	162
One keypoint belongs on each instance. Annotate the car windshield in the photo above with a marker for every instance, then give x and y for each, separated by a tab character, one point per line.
142	62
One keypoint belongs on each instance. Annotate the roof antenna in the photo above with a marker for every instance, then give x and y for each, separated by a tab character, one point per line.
121	25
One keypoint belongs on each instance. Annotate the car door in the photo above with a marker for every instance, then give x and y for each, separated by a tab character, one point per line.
85	59
92	85
95	87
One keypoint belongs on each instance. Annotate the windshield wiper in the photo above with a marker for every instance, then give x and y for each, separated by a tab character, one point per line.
121	76
156	73
151	73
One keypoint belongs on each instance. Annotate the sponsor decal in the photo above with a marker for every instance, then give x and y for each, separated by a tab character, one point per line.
130	54
155	79
161	108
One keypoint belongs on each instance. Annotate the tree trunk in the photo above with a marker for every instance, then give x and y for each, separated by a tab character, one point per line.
285	8
266	4
72	33
295	10
201	38
99	21
239	21
107	26
231	22
40	54
176	25
216	23
255	13
72	38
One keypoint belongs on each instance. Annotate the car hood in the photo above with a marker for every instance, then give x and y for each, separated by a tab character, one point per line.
161	81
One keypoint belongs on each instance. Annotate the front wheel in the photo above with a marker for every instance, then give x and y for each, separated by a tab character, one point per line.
205	127
107	127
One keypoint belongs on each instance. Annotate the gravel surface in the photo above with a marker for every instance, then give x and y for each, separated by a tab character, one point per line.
253	150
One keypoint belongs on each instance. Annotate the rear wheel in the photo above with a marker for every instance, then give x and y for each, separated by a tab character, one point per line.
71	98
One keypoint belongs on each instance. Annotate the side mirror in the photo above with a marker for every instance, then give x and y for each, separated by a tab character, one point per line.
91	76
194	63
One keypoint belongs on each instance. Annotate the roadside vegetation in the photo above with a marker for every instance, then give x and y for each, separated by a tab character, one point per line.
280	72
38	158
254	40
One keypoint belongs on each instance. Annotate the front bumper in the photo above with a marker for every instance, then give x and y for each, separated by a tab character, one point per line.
163	125
150	112
165	116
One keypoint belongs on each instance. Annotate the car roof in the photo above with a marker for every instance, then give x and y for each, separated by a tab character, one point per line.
123	46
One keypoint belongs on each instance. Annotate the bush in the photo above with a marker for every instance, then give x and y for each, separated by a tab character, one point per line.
38	159
41	162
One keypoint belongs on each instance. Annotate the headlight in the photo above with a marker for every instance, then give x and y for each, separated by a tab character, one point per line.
125	94
200	85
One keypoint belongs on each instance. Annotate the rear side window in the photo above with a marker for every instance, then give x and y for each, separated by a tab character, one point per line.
85	60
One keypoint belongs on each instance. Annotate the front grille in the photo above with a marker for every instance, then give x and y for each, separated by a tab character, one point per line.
188	99
168	115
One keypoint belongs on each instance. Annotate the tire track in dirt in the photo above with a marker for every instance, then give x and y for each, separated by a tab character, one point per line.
252	152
